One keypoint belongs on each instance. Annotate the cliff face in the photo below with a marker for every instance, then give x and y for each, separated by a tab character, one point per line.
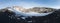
6	16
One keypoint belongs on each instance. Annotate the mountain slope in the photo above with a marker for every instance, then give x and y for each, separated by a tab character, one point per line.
34	9
19	12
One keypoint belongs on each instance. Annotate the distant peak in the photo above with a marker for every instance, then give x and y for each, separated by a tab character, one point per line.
17	6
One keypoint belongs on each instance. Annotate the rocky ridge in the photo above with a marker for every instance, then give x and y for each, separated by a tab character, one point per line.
34	9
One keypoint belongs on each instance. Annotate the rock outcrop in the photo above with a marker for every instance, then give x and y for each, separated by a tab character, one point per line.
6	16
42	9
34	9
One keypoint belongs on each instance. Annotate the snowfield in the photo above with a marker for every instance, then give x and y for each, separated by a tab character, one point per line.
29	13
36	14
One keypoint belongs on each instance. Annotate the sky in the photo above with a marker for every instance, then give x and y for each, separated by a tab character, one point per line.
30	3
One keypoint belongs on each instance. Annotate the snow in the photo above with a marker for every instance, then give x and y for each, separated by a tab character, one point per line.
36	14
28	14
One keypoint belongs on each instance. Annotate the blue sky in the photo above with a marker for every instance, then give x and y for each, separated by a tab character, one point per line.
30	3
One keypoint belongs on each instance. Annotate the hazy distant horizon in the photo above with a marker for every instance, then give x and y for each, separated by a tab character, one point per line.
30	3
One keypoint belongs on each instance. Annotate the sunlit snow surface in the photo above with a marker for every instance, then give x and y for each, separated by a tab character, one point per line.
29	13
36	14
